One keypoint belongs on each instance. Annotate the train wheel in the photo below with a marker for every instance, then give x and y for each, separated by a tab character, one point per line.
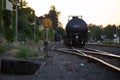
79	44
82	43
67	42
73	43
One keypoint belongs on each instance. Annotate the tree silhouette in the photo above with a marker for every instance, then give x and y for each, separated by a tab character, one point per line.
53	15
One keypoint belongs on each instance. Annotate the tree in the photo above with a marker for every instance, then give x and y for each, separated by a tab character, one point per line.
53	15
109	31
26	21
95	32
2	8
46	21
61	31
9	29
118	31
21	3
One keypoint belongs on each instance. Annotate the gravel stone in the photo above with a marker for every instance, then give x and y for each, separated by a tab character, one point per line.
62	66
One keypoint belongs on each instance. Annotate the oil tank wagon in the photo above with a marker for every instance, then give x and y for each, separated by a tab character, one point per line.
76	32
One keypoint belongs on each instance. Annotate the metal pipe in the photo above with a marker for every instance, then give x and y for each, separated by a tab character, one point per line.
16	36
47	29
35	27
2	14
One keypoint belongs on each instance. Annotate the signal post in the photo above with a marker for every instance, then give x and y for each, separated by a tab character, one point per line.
47	23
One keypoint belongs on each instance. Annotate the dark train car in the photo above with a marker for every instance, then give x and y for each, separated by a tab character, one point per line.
76	32
57	37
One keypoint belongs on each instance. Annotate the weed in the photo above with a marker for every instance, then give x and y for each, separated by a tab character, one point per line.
24	51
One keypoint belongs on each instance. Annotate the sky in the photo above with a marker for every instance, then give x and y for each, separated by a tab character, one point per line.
98	12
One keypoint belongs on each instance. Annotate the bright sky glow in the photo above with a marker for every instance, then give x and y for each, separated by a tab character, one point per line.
99	12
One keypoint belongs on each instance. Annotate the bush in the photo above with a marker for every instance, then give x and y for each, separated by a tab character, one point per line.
4	47
110	43
24	51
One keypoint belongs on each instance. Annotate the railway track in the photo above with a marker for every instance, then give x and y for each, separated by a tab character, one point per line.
90	54
100	60
54	45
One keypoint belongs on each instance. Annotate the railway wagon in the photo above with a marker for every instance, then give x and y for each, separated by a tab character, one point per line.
57	37
76	32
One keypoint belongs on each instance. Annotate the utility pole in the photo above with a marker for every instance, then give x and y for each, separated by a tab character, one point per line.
16	36
35	27
2	14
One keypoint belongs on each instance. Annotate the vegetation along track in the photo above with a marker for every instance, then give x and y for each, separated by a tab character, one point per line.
107	59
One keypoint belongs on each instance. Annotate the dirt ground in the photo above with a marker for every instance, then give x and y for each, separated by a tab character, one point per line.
61	66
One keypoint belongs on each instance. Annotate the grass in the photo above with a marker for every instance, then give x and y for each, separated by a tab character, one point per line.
4	47
20	50
24	51
109	43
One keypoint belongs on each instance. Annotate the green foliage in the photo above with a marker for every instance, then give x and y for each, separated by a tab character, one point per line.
8	28
25	26
109	31
1	28
42	34
61	31
51	34
54	17
118	30
109	43
24	51
4	47
95	32
22	3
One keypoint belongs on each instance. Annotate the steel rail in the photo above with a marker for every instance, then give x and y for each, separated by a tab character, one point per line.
80	53
97	59
54	45
101	52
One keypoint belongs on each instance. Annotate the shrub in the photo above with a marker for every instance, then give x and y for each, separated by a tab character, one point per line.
4	47
110	43
24	51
